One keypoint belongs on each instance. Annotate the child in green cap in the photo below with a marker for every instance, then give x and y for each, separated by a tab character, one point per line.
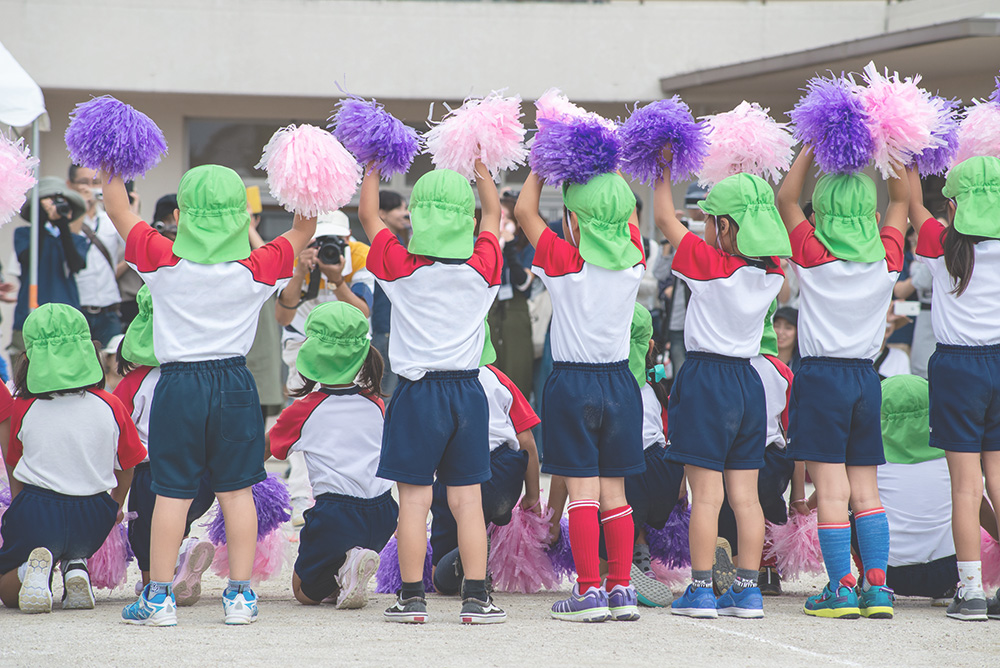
592	408
69	460
336	422
717	417
208	289
846	267
441	289
964	372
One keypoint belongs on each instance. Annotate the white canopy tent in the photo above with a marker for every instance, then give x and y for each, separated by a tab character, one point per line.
22	105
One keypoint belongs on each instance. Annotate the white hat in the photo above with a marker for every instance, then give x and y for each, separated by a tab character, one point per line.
113	344
333	224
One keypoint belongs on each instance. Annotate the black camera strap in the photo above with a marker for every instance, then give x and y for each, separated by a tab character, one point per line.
92	236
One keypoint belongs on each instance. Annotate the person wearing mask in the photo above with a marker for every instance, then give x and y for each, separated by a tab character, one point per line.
394	213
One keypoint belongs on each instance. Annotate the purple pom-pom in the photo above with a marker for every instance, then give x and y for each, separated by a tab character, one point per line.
939	159
108	134
274	507
670	544
574	150
374	135
4	501
658	124
387	577
831	119
561	553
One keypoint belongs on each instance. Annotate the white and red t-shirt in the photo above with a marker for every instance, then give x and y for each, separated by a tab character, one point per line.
843	305
730	296
340	434
972	318
777	380
73	443
438	307
917	502
135	391
653	427
591	306
510	413
205	311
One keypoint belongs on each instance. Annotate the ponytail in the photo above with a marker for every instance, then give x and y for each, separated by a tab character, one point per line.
660	389
959	257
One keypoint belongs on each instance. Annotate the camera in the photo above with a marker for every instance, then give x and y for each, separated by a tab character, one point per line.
330	249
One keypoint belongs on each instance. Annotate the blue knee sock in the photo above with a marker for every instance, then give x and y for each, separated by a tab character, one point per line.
873	539
835	542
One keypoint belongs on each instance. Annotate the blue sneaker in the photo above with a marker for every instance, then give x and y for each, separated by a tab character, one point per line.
696	602
160	610
240	606
623	604
876	602
842	604
591	607
748	603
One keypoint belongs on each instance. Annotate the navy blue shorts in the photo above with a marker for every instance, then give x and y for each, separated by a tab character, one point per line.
965	398
205	417
716	418
500	495
592	421
836	412
772	481
333	526
141	501
71	527
439	423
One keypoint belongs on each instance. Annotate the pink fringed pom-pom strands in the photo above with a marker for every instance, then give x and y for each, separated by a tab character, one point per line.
746	140
518	559
108	567
105	133
795	544
990	555
553	105
17	176
309	172
487	129
271	556
979	131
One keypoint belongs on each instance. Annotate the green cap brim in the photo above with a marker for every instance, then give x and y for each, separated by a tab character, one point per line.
214	224
442	215
769	340
905	421
336	344
974	184
60	352
603	207
749	201
639	337
137	346
489	355
846	224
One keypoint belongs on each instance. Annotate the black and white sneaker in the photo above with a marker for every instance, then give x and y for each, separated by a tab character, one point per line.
410	611
475	611
723	570
77	592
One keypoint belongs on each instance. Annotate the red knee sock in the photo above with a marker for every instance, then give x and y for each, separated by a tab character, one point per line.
619	536
584	538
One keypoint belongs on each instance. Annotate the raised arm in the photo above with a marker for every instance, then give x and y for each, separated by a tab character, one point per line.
917	211
368	206
791	190
118	206
526	209
899	202
664	213
489	200
301	233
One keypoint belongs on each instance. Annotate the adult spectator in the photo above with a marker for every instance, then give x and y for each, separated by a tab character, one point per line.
396	216
786	331
100	299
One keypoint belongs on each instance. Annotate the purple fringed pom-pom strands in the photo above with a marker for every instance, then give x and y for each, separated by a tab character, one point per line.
387	577
831	119
574	150
939	159
274	507
108	134
670	544
649	129
375	136
561	553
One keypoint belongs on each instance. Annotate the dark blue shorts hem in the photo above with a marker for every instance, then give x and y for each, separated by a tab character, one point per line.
427	481
941	444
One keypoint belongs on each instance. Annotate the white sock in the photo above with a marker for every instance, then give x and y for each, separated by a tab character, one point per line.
970	579
22	570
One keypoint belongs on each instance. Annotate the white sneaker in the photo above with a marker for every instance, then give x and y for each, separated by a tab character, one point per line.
77	592
240	607
36	585
353	578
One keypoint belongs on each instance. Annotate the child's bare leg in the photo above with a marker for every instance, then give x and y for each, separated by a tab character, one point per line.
166	533
10	587
833	491
240	514
297	590
466	504
742	489
706	500
411	532
966	498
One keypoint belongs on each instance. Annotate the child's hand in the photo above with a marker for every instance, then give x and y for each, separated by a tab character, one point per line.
800	507
554	529
668	153
532	504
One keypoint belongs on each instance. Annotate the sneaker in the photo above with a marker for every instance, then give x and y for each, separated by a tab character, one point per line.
475	611
36	585
77	592
353	578
748	603
769	581
876	603
944	600
651	592
695	602
840	605
623	604
194	560
411	611
993	606
448	574
240	607
723	570
161	610
641	558
972	609
139	586
299	507
590	607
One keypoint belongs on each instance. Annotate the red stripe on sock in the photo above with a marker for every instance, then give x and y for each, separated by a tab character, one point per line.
834	525
619	536
866	513
584	538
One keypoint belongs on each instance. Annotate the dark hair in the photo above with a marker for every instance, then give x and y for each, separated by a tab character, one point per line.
370	378
734	229
807	209
389	200
165	207
73	169
21	379
661	389
959	256
124	367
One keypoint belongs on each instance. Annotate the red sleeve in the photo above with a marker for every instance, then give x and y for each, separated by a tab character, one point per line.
388	260
149	250
129	385
271	262
930	242
521	415
288	429
696	260
807	250
636	236
14	447
892	239
6	403
487	258
555	256
786	373
130	448
663	417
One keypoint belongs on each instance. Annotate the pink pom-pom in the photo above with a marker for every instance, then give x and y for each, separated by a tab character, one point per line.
979	131
271	556
17	176
795	545
109	565
518	558
487	129
308	171
672	577
990	556
901	116
553	105
746	140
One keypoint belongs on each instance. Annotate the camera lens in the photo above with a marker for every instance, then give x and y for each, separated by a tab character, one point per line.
329	253
63	208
